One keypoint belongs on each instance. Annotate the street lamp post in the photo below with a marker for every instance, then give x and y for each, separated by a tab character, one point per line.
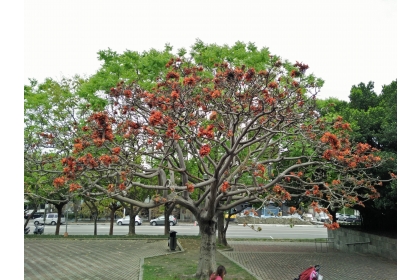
67	220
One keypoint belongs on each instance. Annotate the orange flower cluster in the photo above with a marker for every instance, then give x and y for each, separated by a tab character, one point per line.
159	145
111	188
105	159
215	94
172	75
74	187
116	150
280	191
70	167
204	150
362	148
174	95
88	160
273	85
128	93
206	132
260	171
249	74
190	81
59	182
332	226
224	187
315	190
190	187
155	118
103	131
47	135
292	210
213	115
247	212
78	147
122	186
335	182
302	67
332	139
192	123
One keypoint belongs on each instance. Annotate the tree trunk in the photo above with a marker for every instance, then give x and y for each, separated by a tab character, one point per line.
59	207
95	226
132	224
113	207
167	213
221	229
207	260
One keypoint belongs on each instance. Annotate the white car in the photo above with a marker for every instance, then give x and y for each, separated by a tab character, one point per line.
50	219
308	217
126	221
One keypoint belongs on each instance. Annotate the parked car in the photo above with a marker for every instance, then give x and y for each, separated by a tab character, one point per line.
308	217
126	221
36	215
160	221
322	217
50	219
343	217
353	219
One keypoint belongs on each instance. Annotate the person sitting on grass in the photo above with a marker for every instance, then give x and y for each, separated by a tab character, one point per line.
219	274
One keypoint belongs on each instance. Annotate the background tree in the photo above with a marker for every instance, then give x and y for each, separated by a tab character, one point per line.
373	120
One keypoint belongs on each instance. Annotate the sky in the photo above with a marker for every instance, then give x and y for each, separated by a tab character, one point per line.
343	42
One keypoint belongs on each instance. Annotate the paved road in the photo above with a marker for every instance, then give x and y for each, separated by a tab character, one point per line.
234	231
122	259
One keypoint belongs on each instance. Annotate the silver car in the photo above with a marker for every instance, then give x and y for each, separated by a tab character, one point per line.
126	221
50	219
160	221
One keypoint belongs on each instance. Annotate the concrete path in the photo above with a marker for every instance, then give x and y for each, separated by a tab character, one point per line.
122	259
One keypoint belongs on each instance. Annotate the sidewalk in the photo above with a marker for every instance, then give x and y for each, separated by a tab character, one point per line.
122	259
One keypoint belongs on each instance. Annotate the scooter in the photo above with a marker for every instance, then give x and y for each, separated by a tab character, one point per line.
38	229
27	230
311	273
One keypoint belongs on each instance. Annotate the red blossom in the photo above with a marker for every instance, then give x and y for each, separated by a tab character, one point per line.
172	75
174	95
155	118
190	187
159	145
74	187
213	115
128	93
59	182
190	81
224	186
204	150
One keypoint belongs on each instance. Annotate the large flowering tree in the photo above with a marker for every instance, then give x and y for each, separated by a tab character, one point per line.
252	135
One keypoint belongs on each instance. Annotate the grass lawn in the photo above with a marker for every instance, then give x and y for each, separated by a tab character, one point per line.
184	264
